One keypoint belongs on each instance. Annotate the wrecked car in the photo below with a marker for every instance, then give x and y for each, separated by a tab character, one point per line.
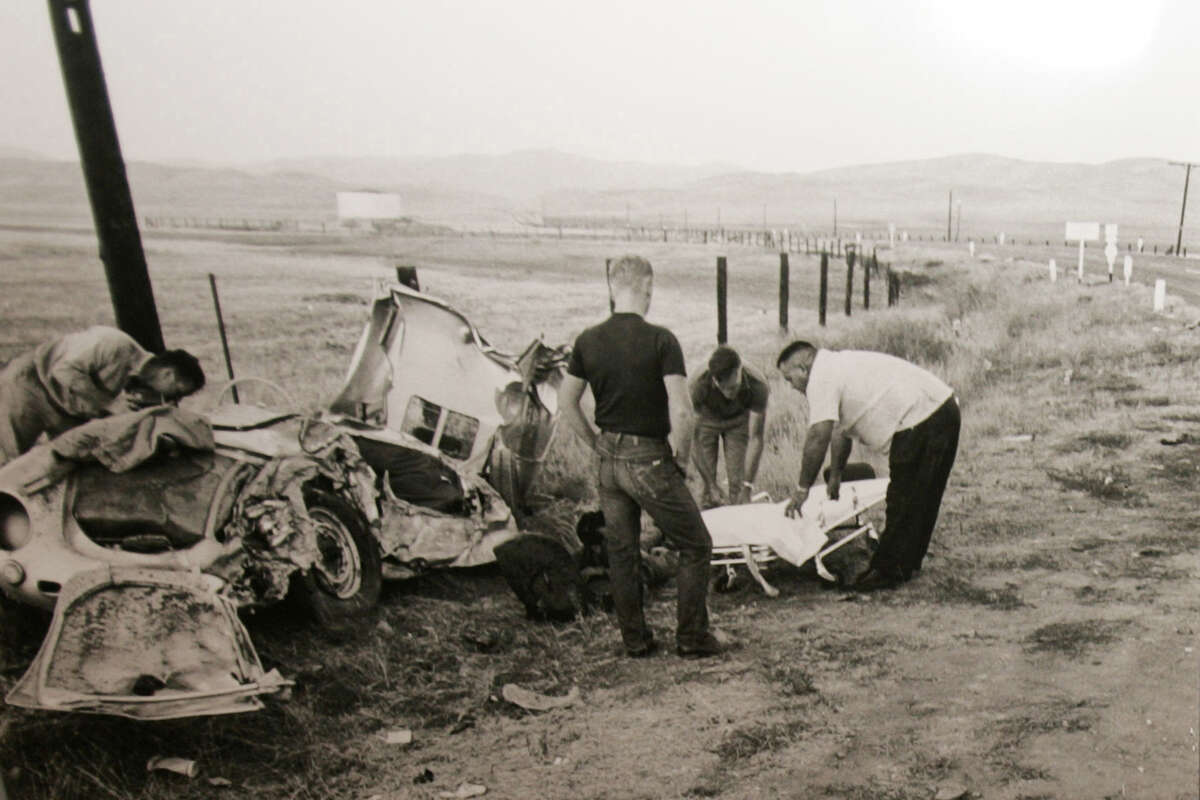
146	532
146	559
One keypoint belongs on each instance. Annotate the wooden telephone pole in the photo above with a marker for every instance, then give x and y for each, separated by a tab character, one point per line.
1187	175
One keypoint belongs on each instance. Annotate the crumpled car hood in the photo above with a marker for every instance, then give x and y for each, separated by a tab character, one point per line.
145	644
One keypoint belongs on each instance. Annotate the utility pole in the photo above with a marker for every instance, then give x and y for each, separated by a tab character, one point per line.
1186	177
835	217
958	223
104	173
949	214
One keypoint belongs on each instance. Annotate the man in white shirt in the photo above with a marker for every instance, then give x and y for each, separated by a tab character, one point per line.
885	403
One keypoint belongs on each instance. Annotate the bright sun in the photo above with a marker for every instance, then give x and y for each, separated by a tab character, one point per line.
1054	35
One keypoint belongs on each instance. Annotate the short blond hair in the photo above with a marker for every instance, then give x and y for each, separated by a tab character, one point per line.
628	271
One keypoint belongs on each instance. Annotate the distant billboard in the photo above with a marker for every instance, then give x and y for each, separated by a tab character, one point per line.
368	205
1083	231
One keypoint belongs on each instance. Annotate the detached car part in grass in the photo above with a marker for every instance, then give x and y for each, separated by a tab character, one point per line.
423	369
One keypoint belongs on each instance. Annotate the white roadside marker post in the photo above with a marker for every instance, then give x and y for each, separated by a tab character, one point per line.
1082	232
1160	295
1053	271
971	247
1128	268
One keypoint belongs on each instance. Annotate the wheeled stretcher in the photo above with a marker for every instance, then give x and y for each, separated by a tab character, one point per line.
754	534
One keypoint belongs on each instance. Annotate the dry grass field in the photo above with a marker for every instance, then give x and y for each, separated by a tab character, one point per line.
1047	650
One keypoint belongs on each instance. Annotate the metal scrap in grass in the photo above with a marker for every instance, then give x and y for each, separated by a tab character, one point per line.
1106	483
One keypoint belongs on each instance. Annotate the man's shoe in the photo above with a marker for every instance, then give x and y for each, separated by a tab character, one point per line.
875	579
645	651
709	645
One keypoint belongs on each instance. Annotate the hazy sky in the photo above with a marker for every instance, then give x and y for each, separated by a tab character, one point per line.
774	86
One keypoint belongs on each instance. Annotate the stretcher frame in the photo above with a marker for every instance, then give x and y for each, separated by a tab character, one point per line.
755	556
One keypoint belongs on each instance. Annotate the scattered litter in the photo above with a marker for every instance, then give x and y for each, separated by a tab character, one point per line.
950	791
219	782
1067	377
482	641
532	701
465	790
398	736
463	722
1018	437
1183	438
183	766
424	776
559	761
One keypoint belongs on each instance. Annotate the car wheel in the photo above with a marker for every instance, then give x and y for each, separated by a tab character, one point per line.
343	586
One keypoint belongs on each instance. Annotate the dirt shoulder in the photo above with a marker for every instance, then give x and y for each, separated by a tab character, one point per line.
1047	649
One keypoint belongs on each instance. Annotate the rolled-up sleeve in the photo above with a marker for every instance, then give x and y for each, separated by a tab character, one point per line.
823	392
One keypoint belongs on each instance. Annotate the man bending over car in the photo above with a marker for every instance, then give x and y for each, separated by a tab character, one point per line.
84	375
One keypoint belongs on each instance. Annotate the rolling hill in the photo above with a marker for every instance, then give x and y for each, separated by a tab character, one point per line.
995	193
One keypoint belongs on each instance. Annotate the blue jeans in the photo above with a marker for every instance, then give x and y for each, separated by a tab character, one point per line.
735	433
636	474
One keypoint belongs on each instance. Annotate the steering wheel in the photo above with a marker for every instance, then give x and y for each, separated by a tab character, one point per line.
251	391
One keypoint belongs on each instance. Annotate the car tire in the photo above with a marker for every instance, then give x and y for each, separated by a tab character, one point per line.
344	588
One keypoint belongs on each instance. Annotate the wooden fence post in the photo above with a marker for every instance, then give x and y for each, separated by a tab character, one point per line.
783	291
866	285
722	331
823	294
849	279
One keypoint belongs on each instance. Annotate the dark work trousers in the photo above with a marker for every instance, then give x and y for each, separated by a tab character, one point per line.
920	461
637	473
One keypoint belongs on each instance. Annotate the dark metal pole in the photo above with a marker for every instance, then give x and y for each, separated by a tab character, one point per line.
212	283
866	284
823	294
104	173
783	291
722	332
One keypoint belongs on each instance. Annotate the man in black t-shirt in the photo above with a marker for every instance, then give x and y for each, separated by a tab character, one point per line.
731	405
637	376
